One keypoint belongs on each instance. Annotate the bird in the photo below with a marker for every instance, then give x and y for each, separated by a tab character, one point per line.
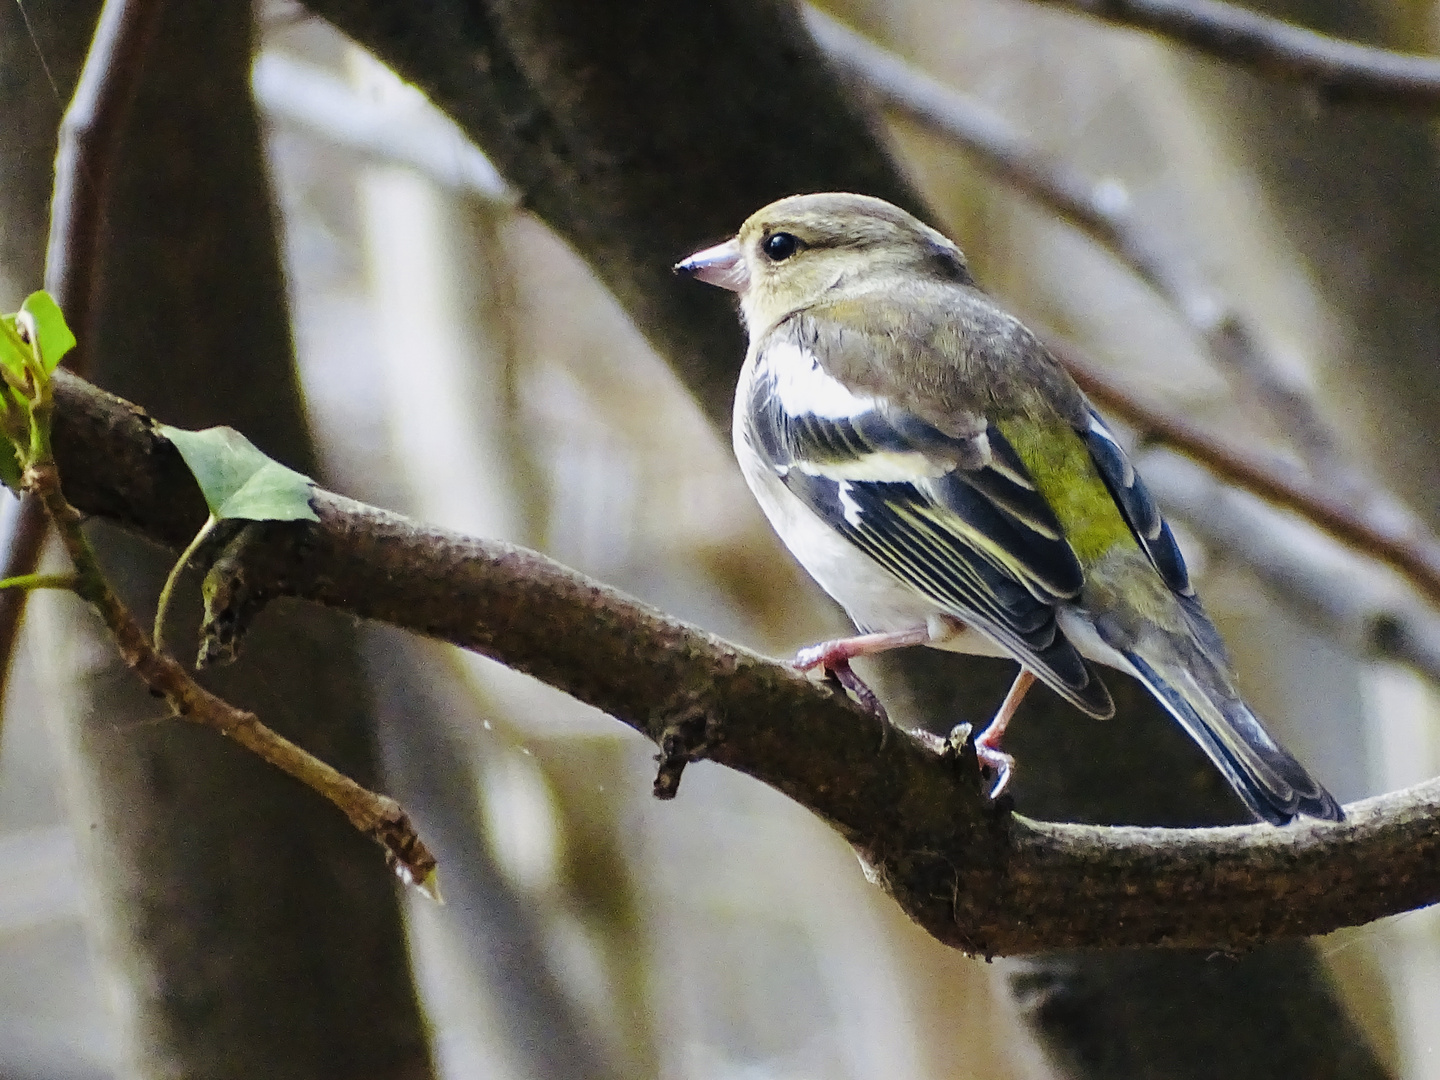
937	471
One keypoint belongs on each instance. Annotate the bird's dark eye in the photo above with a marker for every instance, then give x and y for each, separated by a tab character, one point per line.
780	246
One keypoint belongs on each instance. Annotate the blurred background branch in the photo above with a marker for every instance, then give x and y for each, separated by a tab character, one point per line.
324	106
1335	70
1348	506
1100	209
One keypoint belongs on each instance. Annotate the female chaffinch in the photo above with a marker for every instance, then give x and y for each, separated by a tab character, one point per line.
940	475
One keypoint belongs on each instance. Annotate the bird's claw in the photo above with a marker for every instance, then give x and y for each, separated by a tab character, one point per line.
847	678
997	763
836	665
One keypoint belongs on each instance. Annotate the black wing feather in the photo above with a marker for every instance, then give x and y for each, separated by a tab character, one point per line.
982	498
1140	511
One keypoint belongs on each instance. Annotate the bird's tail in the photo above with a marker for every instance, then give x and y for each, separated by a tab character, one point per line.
1200	694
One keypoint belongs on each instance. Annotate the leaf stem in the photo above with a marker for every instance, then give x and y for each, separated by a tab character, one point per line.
162	606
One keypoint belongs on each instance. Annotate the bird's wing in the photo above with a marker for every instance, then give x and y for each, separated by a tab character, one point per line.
1138	508
955	517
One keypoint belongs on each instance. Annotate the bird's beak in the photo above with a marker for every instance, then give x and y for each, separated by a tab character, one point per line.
721	265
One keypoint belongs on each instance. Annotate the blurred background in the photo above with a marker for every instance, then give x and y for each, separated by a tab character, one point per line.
591	930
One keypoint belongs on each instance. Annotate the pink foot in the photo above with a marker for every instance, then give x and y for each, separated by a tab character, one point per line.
987	743
834	658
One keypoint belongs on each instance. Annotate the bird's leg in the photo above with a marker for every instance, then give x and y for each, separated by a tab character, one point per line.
834	658
987	743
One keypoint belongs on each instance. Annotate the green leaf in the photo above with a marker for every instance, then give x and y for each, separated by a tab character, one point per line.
13	352
55	337
238	481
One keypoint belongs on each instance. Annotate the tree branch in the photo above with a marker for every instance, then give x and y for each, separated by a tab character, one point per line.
974	876
724	124
376	816
1337	70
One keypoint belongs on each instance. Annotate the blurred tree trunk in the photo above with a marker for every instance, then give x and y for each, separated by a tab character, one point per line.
251	931
641	130
637	131
32	108
488	924
439	277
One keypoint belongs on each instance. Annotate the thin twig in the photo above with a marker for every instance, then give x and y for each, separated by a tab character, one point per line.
1337	70
84	170
1391	539
1101	210
377	816
162	603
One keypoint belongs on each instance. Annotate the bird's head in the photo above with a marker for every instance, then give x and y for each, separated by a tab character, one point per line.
790	254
